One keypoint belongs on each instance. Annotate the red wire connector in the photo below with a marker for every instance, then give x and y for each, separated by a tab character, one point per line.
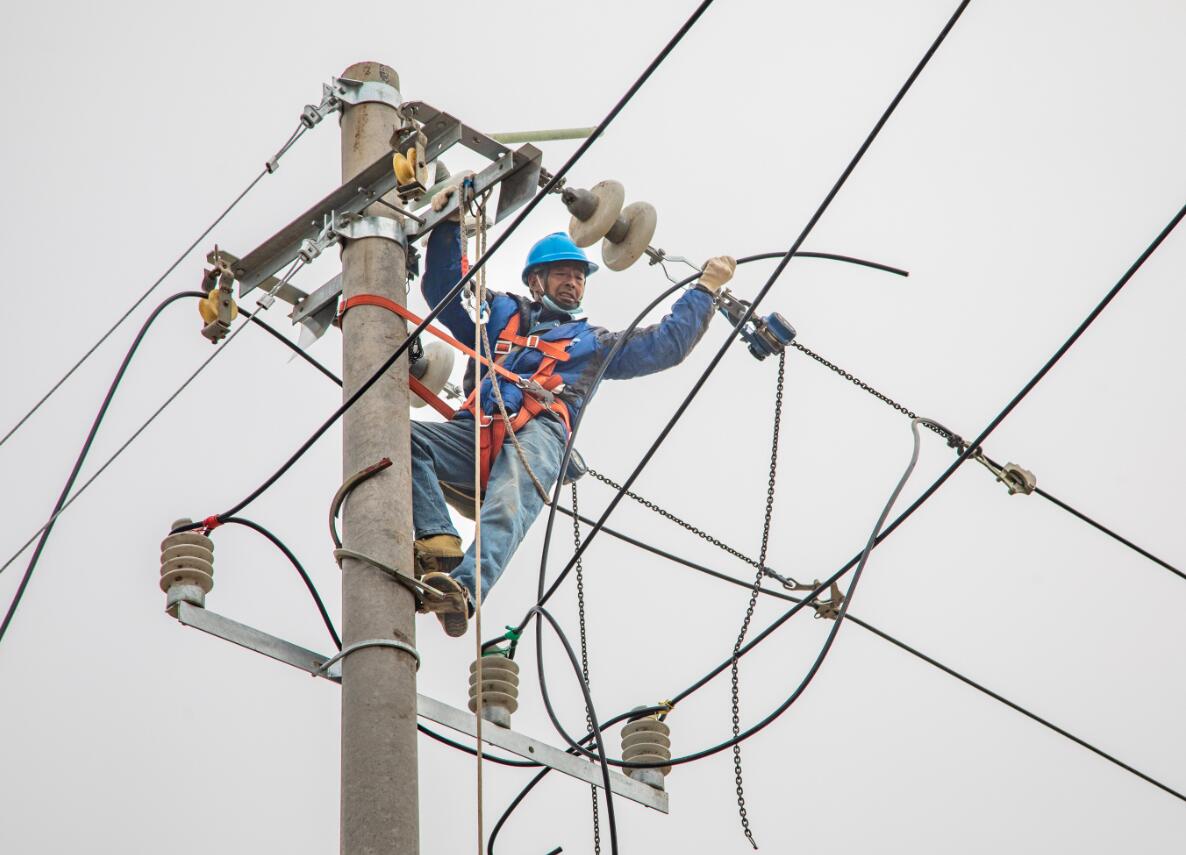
210	523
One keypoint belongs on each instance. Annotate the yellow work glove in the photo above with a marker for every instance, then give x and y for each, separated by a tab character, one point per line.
717	271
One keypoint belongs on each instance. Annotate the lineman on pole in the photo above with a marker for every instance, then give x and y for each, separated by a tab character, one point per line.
548	342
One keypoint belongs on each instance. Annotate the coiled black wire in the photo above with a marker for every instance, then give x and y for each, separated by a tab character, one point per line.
86	447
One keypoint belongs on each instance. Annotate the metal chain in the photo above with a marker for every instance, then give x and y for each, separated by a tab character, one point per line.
576	542
787	581
953	440
753	600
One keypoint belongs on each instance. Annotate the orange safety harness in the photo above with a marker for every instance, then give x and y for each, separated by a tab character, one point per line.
493	430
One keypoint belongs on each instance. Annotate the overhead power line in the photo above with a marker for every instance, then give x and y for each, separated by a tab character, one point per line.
66	499
268	169
897	642
478	265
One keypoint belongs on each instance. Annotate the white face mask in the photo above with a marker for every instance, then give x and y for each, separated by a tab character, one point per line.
574	312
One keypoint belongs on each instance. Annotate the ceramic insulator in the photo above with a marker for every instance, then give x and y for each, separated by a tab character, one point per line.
500	689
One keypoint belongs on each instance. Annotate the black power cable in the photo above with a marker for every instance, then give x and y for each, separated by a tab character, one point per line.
758	639
86	447
738	738
885	636
256	527
552	184
959	443
135	305
542	597
590	713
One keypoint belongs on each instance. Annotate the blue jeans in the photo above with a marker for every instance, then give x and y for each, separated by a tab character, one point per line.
444	451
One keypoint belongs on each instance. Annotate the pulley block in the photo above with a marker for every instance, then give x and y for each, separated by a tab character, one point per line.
411	168
500	689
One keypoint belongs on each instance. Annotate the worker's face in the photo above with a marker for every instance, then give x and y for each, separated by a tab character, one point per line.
565	284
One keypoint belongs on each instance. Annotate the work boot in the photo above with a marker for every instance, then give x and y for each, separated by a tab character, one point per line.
453	609
438	553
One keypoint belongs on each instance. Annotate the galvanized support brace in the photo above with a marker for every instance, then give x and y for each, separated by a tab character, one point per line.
518	172
427	708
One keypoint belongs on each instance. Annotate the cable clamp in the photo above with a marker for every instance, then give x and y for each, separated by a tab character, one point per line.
323	669
327	237
788	582
218	309
829	609
331	102
1015	478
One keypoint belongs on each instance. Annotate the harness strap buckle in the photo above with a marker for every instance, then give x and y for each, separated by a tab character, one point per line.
502	347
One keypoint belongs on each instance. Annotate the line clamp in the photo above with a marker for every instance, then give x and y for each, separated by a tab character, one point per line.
1015	478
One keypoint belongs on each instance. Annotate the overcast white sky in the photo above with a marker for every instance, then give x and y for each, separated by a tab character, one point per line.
1036	157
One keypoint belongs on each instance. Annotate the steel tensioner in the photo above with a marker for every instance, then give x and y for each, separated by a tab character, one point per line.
764	336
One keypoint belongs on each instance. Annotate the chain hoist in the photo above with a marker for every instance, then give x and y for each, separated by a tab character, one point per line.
580	574
753	599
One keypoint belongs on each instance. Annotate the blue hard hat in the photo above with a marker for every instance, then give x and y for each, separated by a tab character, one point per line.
557	246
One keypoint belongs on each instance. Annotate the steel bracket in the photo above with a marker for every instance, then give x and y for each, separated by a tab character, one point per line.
519	171
355	92
354	227
288	292
524	746
343	91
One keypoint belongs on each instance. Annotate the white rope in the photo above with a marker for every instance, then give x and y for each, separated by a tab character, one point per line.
479	283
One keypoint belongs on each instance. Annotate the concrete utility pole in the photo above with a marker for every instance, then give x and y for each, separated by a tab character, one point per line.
380	805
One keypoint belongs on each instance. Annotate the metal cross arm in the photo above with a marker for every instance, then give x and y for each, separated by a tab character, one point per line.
429	132
459	720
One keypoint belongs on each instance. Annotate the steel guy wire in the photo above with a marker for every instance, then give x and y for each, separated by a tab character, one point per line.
552	184
63	502
268	169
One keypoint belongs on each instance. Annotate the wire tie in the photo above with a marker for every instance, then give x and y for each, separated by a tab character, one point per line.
359	645
512	634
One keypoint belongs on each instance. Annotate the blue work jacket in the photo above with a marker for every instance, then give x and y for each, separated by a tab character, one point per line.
646	350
